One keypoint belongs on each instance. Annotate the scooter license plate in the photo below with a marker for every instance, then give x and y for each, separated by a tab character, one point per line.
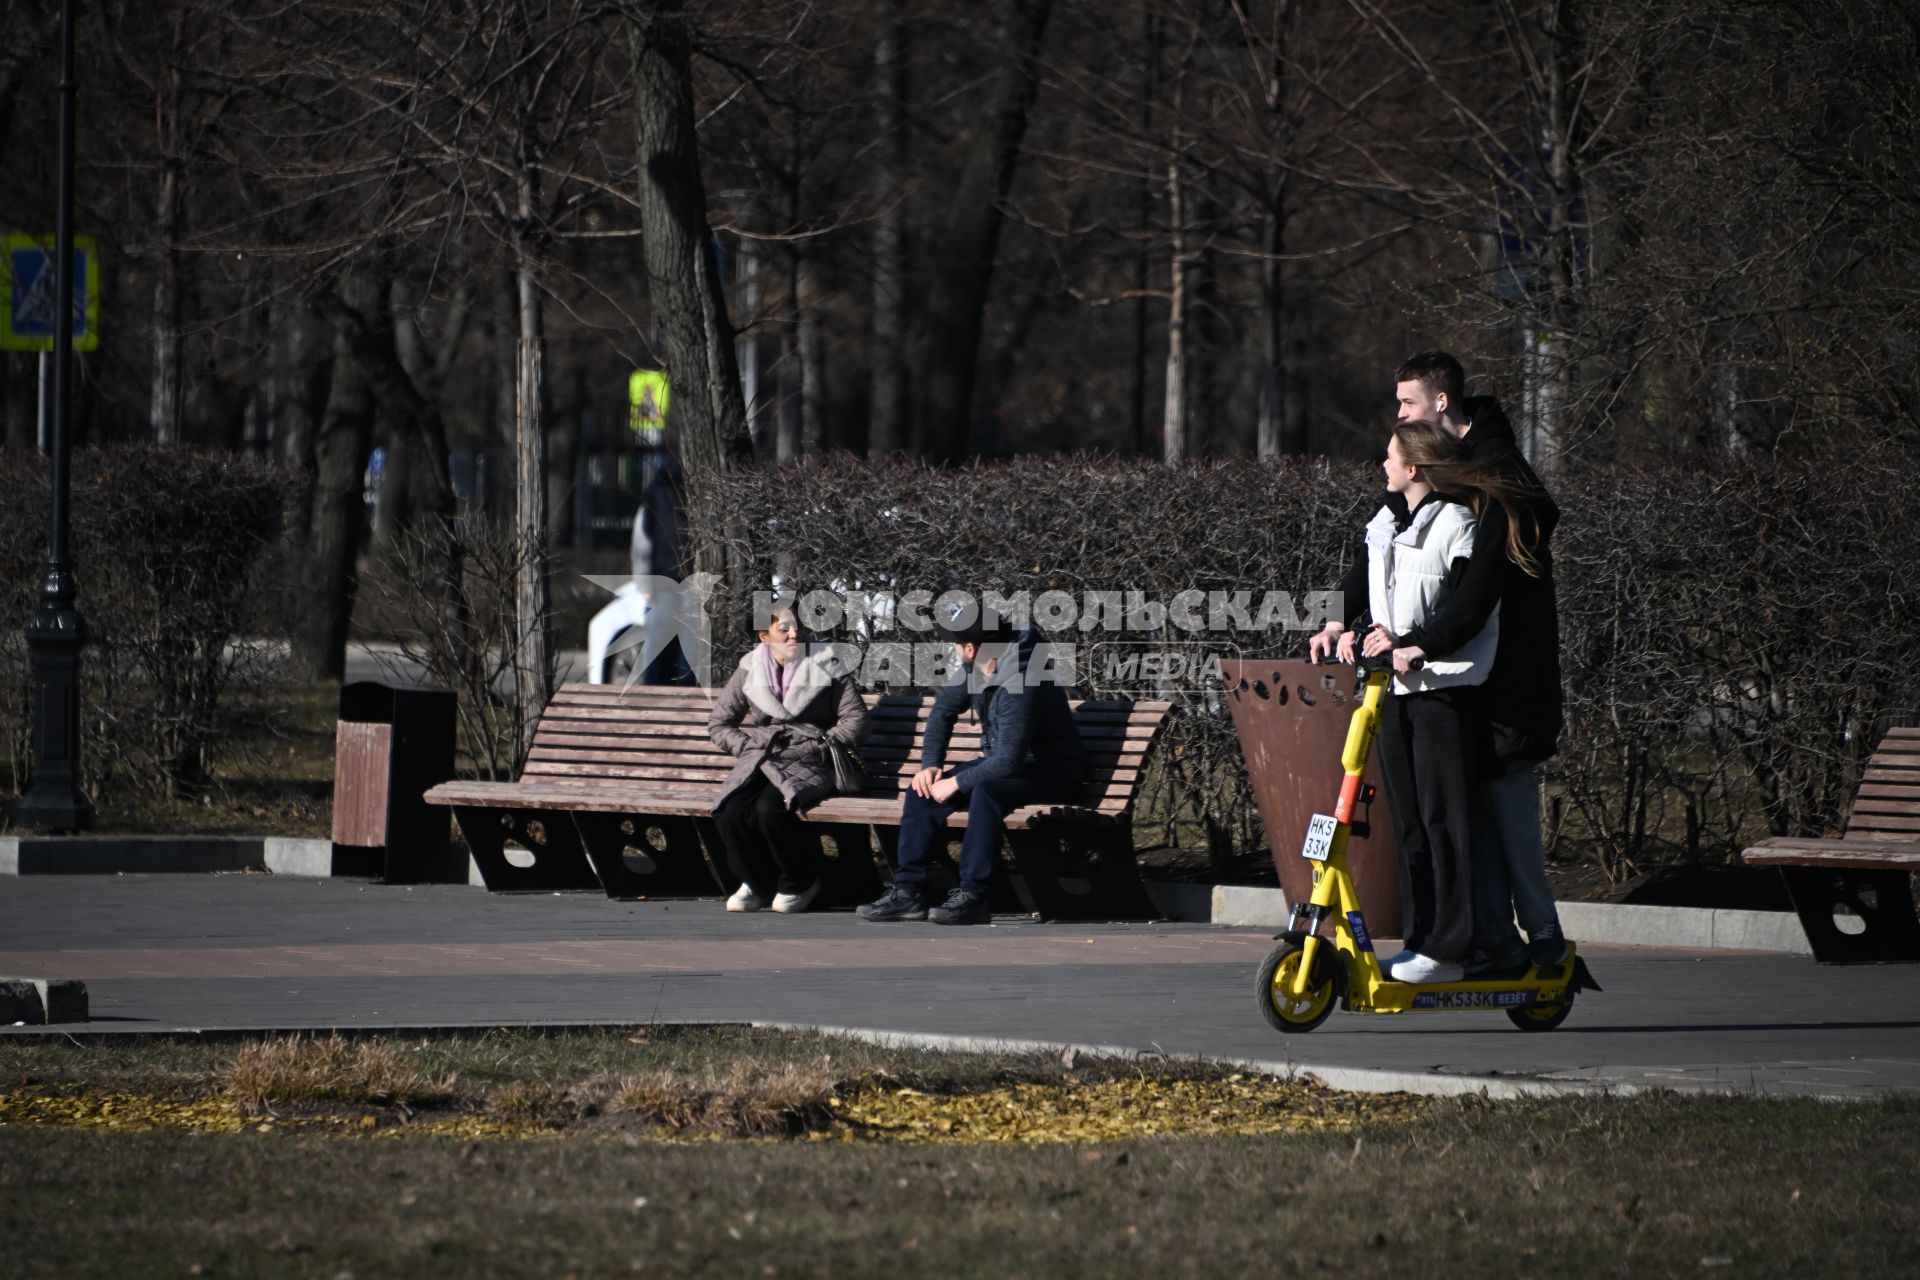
1319	838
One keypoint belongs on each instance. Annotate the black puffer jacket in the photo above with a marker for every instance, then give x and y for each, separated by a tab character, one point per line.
1522	696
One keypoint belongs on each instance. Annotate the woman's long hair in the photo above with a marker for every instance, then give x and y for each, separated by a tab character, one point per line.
1453	470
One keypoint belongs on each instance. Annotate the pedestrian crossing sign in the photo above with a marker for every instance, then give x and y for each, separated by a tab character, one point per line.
647	405
27	279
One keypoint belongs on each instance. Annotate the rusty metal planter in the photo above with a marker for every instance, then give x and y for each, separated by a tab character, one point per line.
1291	718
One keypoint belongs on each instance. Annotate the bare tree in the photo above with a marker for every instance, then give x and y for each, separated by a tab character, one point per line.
683	280
961	262
887	399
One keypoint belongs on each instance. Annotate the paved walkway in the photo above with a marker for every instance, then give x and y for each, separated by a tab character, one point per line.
260	952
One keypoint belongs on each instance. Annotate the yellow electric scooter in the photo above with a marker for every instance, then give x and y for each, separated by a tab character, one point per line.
1303	977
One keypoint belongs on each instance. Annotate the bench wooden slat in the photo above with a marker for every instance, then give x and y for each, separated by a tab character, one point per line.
1884	806
715	774
1096	760
1883	790
1875	825
1904	754
1850	852
518	795
580	692
964	730
665	697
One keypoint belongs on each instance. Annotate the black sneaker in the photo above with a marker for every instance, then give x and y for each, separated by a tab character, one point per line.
902	902
1512	964
1547	948
962	907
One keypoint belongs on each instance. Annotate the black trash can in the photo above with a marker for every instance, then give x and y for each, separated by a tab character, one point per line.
393	742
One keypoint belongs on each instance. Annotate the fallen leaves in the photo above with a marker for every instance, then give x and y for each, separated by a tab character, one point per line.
1088	1112
1109	1111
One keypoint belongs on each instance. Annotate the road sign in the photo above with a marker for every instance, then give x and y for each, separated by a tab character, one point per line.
27	280
647	393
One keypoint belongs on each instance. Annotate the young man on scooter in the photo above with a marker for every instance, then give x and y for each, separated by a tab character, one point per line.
1522	696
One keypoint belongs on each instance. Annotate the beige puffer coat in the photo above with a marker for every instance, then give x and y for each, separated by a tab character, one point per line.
747	720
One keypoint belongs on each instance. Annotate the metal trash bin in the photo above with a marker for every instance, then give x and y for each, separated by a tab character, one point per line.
1291	718
392	743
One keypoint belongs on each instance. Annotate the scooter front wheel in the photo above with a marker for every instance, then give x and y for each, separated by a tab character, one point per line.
1288	1013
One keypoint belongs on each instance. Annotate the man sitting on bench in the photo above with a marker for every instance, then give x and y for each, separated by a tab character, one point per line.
1029	754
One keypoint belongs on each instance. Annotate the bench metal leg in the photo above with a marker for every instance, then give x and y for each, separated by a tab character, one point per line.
545	835
1881	900
848	876
639	855
1078	871
708	832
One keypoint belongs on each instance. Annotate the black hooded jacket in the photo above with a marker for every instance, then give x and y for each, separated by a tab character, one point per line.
1522	696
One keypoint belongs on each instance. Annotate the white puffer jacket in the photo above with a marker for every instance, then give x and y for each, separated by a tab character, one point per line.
1404	573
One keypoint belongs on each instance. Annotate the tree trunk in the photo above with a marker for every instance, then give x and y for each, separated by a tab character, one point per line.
19	400
1557	371
887	397
169	366
963	259
1137	372
683	280
169	390
565	427
532	611
1271	434
813	418
1174	418
300	378
393	513
341	445
787	411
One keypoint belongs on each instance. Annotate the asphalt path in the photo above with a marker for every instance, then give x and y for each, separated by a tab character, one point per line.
225	952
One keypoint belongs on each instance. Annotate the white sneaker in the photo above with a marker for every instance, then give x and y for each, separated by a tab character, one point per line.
744	899
789	903
1426	969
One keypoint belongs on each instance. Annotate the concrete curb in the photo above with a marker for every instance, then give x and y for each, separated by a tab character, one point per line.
1622	924
112	855
180	855
1346	1079
39	1002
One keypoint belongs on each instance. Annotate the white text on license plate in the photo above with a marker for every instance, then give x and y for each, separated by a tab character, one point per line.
1319	838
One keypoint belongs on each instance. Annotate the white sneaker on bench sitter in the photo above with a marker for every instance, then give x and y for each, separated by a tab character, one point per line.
789	903
744	899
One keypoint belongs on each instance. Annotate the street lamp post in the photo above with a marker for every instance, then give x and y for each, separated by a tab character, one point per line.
57	632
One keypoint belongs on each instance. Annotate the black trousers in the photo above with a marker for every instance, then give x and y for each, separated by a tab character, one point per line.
1429	752
766	846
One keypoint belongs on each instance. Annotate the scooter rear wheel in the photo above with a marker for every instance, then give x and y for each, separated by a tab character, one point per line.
1540	1017
1283	1012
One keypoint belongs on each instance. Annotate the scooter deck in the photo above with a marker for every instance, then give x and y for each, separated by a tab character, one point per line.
1554	985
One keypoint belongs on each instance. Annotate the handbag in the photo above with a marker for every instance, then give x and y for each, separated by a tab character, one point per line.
849	770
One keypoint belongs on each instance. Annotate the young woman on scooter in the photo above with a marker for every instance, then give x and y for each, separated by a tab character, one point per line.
1432	731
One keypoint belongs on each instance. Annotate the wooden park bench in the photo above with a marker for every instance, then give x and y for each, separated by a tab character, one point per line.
1867	871
618	792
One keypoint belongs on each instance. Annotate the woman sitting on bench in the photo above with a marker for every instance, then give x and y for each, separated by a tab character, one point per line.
772	715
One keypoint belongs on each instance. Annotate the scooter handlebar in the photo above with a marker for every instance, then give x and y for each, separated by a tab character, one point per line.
1362	664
